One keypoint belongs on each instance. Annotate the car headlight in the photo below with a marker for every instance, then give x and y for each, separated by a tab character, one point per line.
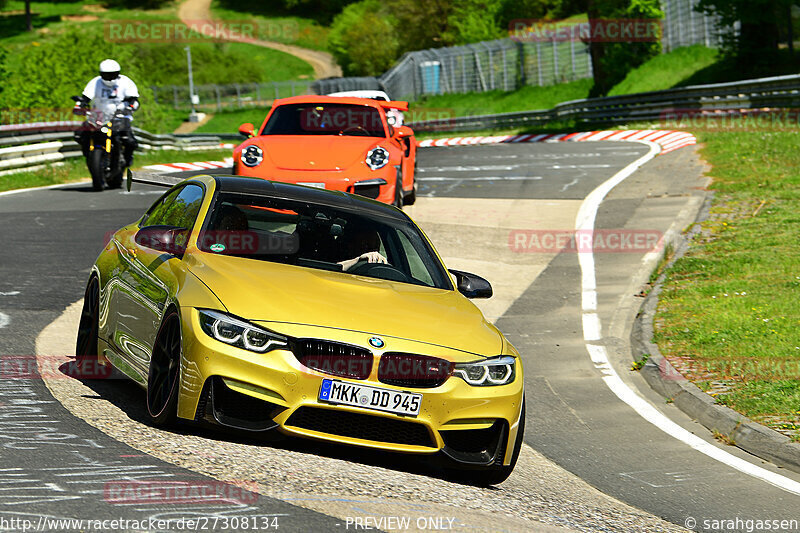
489	372
252	156
377	158
239	333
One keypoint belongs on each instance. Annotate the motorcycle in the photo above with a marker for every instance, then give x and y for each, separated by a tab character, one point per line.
104	157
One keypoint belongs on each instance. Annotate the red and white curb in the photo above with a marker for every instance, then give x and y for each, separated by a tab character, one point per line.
197	165
668	140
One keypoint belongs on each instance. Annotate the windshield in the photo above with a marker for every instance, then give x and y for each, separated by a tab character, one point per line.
325	119
320	237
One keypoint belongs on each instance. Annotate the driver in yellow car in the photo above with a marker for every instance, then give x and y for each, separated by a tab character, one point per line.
369	257
364	245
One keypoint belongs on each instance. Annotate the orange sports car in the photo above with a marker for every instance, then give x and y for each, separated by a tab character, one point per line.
335	143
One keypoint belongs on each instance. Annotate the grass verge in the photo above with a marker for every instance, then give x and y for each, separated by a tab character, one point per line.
666	70
75	169
524	99
728	316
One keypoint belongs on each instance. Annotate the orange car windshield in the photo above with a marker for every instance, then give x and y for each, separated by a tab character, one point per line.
325	119
320	237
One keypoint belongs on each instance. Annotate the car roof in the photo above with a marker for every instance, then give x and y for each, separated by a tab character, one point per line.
290	191
319	99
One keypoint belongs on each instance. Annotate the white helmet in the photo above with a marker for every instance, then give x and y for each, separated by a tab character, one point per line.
109	71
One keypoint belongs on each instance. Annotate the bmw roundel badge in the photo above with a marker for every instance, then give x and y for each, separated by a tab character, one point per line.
377	342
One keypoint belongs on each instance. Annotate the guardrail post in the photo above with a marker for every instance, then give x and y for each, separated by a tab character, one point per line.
572	55
258	93
523	77
539	62
238	95
219	97
175	96
292	87
505	69
555	61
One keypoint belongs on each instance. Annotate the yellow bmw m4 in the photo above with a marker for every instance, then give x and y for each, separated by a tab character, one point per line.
271	307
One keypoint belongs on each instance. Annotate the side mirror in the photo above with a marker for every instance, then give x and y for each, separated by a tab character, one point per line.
404	131
472	286
169	239
247	130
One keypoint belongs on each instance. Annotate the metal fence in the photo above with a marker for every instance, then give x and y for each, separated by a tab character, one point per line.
508	65
490	65
231	96
684	26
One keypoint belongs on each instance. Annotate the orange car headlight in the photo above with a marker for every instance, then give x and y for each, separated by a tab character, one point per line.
377	158
252	156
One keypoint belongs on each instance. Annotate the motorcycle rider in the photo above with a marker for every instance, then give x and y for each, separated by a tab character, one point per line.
110	90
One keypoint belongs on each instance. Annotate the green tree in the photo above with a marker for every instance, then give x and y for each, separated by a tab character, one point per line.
72	59
363	38
472	21
755	46
611	61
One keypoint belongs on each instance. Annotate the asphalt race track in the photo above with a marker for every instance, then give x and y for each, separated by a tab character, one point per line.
66	444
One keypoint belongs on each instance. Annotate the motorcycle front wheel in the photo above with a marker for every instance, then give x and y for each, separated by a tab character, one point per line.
114	177
96	165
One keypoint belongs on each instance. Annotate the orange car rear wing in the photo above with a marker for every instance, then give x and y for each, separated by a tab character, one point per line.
394	104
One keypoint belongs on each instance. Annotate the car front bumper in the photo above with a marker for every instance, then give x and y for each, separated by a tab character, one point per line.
360	181
233	387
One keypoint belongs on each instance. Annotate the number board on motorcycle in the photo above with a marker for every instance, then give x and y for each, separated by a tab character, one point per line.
376	398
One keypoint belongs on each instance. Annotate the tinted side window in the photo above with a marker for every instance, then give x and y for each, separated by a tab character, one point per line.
178	208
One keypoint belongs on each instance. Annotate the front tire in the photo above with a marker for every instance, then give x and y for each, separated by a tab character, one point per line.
96	168
398	191
86	347
163	377
114	180
411	197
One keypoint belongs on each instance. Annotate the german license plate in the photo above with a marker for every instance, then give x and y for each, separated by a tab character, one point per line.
315	184
389	401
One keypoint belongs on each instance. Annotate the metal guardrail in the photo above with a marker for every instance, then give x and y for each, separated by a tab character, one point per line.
29	146
719	99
